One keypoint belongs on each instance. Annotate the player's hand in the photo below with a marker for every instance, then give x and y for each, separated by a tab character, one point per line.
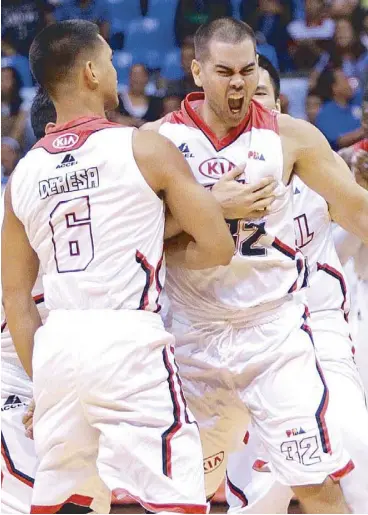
360	168
28	419
248	201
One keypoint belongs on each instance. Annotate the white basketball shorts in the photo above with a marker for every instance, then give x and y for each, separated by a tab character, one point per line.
18	458
268	371
251	486
111	415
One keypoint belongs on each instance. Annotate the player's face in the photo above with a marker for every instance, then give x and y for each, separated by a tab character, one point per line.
229	78
107	75
265	93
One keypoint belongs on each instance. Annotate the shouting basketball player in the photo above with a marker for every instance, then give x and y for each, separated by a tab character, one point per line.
243	339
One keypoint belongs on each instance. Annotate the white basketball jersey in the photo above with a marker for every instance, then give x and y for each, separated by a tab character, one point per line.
267	266
313	231
94	222
8	352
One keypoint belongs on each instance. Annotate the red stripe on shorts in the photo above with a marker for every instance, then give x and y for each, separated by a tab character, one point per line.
11	467
176	508
336	476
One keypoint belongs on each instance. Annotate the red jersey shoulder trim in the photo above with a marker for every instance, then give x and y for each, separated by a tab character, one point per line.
258	117
72	135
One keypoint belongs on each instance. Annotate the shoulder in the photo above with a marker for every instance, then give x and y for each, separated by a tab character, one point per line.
298	135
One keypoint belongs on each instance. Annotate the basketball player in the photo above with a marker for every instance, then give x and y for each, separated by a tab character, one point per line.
256	491
18	456
243	340
86	205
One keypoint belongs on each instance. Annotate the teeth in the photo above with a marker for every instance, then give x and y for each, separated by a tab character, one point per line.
236	97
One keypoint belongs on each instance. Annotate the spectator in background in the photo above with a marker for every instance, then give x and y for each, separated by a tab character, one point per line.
190	14
10	58
13	115
181	88
313	104
338	119
10	155
309	35
347	52
135	106
96	11
271	17
21	20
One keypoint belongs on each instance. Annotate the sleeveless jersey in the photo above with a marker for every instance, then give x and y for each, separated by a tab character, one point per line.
94	222
266	266
313	232
8	352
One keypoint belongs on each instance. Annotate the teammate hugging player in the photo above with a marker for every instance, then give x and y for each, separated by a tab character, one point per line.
110	414
251	488
243	340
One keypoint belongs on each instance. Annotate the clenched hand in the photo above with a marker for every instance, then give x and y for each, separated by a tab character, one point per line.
246	201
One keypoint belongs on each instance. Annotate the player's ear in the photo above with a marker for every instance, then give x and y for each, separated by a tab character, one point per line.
49	127
196	72
90	75
278	105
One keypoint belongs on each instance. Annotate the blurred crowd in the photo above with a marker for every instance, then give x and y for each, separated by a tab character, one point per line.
320	43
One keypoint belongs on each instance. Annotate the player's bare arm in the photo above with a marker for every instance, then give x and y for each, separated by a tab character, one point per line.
19	269
237	200
307	151
195	209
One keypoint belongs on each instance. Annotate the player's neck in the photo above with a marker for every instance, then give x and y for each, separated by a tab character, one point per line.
214	122
67	111
341	101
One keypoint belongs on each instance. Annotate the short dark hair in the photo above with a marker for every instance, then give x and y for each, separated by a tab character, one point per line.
266	64
42	112
55	50
227	30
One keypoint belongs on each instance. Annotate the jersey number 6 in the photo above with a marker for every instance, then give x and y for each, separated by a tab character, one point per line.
70	223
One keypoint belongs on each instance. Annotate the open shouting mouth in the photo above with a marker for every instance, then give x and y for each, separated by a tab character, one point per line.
235	103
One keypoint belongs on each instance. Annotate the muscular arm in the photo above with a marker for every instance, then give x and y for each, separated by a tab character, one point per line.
317	166
19	268
196	211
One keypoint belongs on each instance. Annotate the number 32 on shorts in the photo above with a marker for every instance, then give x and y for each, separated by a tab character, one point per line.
304	451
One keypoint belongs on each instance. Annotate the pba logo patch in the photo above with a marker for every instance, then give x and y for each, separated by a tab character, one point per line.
216	167
65	141
213	462
294	432
257	156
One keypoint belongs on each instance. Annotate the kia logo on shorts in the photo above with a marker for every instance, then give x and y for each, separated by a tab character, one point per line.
213	462
216	167
65	141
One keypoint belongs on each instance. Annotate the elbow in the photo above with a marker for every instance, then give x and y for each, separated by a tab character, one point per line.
223	254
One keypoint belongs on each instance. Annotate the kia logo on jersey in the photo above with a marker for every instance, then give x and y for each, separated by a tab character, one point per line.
213	462
65	141
216	167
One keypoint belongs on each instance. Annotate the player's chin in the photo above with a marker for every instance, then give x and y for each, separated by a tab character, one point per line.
236	115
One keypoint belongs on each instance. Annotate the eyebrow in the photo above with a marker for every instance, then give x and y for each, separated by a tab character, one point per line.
261	88
227	68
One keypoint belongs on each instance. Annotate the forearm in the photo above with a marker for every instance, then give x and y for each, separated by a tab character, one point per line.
184	252
23	320
350	138
354	219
